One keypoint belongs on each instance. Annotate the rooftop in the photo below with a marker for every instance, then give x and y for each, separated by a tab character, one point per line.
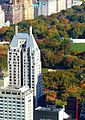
48	109
16	88
29	39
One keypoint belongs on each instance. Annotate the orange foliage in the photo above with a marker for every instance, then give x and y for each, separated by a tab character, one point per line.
3	50
73	90
70	59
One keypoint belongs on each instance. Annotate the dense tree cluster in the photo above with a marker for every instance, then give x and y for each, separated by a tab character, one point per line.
3	57
67	23
52	34
63	83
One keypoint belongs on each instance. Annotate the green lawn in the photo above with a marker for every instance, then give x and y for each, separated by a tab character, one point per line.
44	70
78	47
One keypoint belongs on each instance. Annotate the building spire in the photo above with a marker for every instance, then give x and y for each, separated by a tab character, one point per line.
31	30
16	29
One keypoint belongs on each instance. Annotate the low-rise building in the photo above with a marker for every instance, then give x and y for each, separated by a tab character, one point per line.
49	113
82	114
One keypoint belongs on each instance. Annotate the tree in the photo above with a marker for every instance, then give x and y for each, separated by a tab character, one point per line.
47	58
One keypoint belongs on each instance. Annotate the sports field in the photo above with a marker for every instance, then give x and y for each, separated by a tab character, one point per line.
78	47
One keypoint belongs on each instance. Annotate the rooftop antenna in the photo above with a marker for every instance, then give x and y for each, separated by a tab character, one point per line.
31	30
16	29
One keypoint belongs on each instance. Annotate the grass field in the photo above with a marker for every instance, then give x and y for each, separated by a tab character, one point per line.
44	70
78	47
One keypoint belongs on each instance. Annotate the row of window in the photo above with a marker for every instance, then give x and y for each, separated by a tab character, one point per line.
12	93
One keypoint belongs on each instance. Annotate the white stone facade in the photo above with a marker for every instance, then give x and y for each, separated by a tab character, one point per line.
16	103
24	63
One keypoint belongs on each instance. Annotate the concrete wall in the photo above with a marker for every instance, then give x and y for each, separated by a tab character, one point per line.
78	40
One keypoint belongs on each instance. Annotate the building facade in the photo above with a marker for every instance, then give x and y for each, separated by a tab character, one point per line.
17	10
48	7
28	9
51	7
49	113
69	3
82	114
13	11
24	63
60	5
16	103
72	107
2	17
45	7
4	79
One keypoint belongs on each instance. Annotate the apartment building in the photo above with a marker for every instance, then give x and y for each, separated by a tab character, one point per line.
48	7
24	63
13	10
27	9
60	5
2	17
17	10
16	103
69	3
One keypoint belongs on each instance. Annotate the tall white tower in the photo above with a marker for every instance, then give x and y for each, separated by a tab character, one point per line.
24	63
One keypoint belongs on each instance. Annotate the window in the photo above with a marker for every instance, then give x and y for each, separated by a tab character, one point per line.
8	92
14	49
18	93
14	93
18	98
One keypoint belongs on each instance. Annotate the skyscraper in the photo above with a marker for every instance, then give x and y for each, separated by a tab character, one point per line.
60	5
13	10
24	63
2	17
16	103
17	10
27	9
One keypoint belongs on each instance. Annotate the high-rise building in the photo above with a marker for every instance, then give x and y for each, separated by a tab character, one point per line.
2	17
28	9
60	5
3	21
69	3
24	63
51	7
13	10
48	7
16	103
17	10
40	8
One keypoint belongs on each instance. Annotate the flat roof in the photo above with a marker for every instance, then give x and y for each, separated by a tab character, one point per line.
48	109
15	88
